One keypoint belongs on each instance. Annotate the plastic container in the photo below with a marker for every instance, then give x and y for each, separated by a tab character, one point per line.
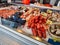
9	23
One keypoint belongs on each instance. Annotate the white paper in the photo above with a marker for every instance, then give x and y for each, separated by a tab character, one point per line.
58	4
9	1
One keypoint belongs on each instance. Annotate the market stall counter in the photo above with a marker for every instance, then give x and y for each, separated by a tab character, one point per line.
30	24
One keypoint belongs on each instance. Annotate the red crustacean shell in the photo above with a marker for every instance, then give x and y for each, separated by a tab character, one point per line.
37	23
43	20
43	32
32	25
38	26
34	31
39	33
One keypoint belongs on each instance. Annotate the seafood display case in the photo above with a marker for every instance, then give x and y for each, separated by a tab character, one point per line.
31	22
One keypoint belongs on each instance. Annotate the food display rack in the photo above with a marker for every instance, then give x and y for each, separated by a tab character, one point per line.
23	36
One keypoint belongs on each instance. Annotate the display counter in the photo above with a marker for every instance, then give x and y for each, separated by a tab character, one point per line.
12	34
17	26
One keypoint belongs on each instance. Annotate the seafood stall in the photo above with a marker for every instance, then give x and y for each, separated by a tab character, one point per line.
33	25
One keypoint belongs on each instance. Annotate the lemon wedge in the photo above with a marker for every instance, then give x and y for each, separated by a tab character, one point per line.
44	14
49	22
49	11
